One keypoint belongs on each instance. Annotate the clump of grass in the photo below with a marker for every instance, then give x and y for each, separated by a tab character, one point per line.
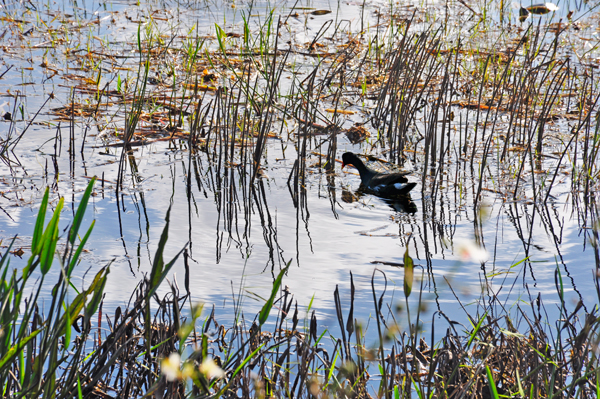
40	355
36	341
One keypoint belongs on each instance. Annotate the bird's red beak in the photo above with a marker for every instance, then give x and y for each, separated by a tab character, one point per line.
343	164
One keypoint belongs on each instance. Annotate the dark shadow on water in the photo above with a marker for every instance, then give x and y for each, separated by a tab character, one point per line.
402	204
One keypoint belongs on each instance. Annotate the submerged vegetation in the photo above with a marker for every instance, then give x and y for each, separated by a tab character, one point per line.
488	111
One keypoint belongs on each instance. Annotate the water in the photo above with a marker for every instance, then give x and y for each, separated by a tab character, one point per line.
238	241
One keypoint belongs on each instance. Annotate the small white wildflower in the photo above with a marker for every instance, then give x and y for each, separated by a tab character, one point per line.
170	366
210	369
469	250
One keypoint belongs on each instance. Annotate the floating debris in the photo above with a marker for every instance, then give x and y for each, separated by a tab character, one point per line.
320	12
340	111
538	9
357	134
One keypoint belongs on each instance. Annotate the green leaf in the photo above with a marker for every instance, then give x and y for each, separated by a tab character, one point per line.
521	391
476	329
98	289
37	241
67	329
79	391
187	328
39	224
50	239
78	303
159	269
81	211
408	273
22	367
79	249
241	367
421	394
492	384
156	274
183	333
16	349
5	259
560	287
331	370
204	346
266	309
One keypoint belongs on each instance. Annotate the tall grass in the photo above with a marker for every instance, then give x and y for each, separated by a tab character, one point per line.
36	341
40	354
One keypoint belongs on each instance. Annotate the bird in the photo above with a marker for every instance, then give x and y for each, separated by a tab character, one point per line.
387	185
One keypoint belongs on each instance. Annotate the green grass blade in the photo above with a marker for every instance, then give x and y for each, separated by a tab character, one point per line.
39	224
476	329
492	384
266	309
14	350
238	369
158	272
50	239
98	291
79	391
421	396
81	211
331	369
408	273
68	326
75	258
521	392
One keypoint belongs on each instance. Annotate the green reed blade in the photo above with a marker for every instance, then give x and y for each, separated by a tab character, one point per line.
266	309
50	239
15	349
79	249
39	224
408	273
492	384
81	211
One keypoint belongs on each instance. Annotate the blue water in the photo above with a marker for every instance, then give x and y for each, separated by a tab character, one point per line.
237	253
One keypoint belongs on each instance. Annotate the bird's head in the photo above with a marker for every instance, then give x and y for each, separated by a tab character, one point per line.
347	159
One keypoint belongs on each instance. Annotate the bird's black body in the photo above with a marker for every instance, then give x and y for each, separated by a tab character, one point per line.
388	185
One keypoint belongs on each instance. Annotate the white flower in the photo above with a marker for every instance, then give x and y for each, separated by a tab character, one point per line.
210	369
170	366
469	250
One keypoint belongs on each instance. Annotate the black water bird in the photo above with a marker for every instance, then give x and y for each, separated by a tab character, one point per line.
388	185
